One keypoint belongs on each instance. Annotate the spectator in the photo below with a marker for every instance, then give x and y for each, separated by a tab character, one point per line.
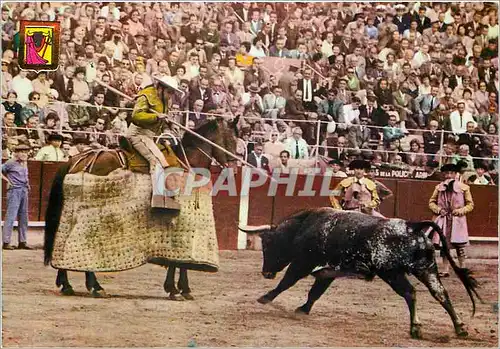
196	115
297	146
391	132
480	178
12	106
32	108
432	138
257	159
392	59
273	103
463	155
274	146
334	167
459	119
52	151
284	166
416	158
22	86
15	173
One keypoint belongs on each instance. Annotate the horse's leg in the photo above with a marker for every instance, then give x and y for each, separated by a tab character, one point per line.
169	285
93	285
62	280
183	285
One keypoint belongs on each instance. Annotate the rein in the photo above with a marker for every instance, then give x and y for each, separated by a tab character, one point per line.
210	157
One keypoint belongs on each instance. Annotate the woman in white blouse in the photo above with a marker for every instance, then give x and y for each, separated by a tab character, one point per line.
493	27
421	57
258	49
481	98
42	86
425	87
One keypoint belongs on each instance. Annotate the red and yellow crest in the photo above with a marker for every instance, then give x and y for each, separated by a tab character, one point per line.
39	45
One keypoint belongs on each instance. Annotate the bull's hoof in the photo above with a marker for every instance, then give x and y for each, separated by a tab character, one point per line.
99	294
187	296
68	291
302	311
416	332
175	297
462	333
264	300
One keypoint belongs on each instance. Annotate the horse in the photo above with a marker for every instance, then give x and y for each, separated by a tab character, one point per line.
192	151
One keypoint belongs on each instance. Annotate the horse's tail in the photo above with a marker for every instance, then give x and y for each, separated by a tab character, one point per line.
464	274
53	213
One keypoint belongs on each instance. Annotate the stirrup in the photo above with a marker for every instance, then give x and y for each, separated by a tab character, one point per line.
161	201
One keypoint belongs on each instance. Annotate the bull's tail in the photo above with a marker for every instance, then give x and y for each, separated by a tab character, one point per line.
464	274
53	213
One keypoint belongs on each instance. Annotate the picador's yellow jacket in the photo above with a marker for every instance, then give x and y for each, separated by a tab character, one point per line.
147	99
345	185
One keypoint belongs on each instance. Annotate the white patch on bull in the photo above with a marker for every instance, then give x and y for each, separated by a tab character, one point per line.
326	266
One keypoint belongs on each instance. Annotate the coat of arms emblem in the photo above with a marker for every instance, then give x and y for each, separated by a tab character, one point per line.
39	45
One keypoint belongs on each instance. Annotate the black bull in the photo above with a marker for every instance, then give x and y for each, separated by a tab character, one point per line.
329	243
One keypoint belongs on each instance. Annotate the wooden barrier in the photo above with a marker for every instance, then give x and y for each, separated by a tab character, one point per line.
410	201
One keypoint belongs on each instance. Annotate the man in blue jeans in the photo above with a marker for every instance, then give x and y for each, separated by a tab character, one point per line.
15	172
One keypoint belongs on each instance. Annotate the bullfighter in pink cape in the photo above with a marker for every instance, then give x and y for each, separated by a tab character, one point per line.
450	202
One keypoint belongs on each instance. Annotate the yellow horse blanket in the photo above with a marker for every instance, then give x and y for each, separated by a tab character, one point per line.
107	225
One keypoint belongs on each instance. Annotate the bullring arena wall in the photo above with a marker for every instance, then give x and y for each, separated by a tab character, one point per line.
409	202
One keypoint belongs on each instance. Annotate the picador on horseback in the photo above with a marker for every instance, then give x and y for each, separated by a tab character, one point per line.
108	191
145	125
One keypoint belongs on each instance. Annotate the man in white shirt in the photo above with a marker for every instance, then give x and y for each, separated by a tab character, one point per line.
297	146
459	119
52	151
284	157
350	114
22	86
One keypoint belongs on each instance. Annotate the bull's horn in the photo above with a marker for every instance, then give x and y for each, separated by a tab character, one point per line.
255	229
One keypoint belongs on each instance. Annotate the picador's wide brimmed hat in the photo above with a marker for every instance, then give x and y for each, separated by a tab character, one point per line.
166	81
359	165
450	168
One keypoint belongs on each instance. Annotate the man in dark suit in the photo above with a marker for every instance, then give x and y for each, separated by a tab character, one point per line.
331	107
402	18
432	139
230	39
273	26
279	50
486	72
202	92
441	24
362	136
243	11
258	160
98	111
368	109
475	24
256	23
423	21
64	84
340	152
307	86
